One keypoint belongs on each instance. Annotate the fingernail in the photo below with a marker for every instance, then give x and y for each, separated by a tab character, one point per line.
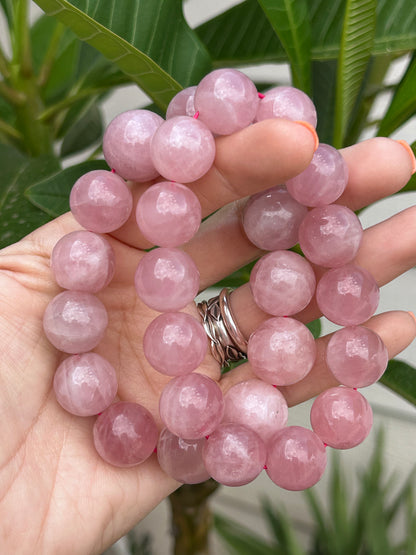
412	315
411	154
312	129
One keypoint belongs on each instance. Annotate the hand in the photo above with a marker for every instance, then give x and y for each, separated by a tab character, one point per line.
57	495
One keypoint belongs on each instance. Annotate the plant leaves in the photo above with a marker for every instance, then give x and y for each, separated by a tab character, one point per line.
85	132
411	184
355	51
52	194
290	20
324	74
315	327
239	540
401	378
149	40
7	6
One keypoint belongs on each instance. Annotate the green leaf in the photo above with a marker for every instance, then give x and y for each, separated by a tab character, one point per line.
84	133
401	378
355	51
148	39
411	184
290	20
282	529
324	75
239	541
237	278
315	328
17	215
52	194
403	104
7	6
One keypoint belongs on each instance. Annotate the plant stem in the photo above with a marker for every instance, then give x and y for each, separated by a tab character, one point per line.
191	518
7	129
11	95
21	39
4	65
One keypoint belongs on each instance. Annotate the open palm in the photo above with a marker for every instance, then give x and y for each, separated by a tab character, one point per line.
57	495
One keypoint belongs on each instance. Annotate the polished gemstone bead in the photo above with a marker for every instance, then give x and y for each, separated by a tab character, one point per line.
166	279
182	104
125	434
168	214
234	455
191	406
175	343
101	201
330	235
226	100
75	322
85	384
341	417
296	458
288	103
282	283
181	458
271	219
323	181
347	295
183	149
83	261
281	351
356	356
126	144
256	405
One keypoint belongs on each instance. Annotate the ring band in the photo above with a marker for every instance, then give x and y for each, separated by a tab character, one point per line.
227	342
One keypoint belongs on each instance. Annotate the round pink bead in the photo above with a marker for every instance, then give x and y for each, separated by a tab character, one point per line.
191	406
175	343
182	104
330	235
323	181
288	103
296	458
125	434
85	384
182	458
272	218
166	279
234	455
341	417
356	356
83	261
347	295
281	351
126	144
75	322
282	283
168	214
101	201
256	405
183	149
226	100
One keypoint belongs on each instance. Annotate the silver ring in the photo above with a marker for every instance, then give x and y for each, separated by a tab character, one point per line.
227	342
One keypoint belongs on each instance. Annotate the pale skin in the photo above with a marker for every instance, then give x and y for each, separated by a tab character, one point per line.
56	494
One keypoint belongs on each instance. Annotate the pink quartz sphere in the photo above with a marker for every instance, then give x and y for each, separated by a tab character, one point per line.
75	322
272	218
296	458
166	279
101	201
126	144
183	149
168	214
191	406
83	261
226	100
323	181
175	343
356	356
288	103
256	405
281	351
182	104
125	434
234	455
330	235
85	384
182	458
341	417
347	295
282	283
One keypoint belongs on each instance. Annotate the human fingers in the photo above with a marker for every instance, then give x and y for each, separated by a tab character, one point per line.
397	329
